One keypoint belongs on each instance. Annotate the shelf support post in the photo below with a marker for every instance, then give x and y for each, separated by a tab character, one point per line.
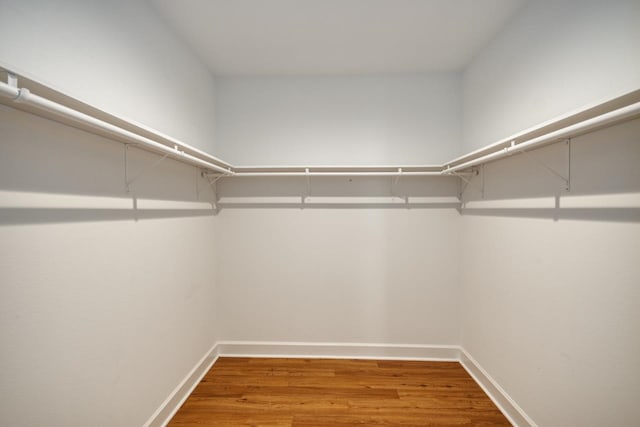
308	179
395	181
568	187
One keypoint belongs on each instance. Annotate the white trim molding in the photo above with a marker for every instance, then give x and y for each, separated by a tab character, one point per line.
338	350
314	350
497	394
179	395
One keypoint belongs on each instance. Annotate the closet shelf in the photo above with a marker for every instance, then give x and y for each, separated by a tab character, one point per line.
57	106
337	171
22	92
580	122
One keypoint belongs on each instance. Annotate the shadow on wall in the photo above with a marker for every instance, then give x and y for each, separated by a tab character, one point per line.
584	214
52	173
43	216
340	193
334	192
594	177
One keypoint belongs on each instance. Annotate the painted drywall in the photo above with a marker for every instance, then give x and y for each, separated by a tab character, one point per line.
396	119
339	275
554	57
547	275
290	37
106	297
549	280
115	55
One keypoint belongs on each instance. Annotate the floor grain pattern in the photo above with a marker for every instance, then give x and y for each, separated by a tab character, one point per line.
335	392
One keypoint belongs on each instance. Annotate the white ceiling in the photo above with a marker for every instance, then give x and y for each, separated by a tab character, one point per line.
298	37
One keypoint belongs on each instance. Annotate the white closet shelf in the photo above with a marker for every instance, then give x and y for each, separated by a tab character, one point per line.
582	121
337	171
29	95
57	106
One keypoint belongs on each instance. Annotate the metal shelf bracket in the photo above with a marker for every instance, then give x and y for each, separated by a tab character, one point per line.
395	181
566	178
127	181
308	179
12	80
212	179
468	182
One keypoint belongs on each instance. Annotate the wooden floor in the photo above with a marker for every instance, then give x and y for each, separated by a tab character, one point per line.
325	392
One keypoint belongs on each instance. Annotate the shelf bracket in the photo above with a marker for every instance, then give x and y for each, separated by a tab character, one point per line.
395	181
468	182
564	178
12	79
127	181
308	179
212	180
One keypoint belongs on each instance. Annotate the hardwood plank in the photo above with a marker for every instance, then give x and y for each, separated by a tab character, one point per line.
336	392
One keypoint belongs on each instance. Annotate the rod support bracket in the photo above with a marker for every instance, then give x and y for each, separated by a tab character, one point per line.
395	181
308	179
23	95
12	79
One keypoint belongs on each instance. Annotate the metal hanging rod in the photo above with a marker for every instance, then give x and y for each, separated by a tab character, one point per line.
24	96
585	126
36	86
344	174
338	171
476	158
617	110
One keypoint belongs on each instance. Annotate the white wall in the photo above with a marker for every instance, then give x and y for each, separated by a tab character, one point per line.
107	298
104	307
399	119
547	295
115	55
339	275
555	56
550	294
351	273
547	291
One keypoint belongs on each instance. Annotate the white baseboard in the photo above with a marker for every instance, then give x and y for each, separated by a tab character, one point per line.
338	350
503	401
172	403
497	394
